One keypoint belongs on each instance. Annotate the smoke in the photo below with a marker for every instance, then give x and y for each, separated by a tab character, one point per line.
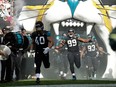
18	4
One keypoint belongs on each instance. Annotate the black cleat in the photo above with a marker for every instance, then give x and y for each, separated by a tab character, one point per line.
74	77
37	80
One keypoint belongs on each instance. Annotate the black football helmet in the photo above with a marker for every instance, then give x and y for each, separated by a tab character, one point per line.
71	30
89	36
92	36
39	25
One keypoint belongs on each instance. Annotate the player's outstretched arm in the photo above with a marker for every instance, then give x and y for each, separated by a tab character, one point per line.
84	40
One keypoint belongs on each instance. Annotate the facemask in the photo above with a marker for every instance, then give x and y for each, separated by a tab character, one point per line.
70	35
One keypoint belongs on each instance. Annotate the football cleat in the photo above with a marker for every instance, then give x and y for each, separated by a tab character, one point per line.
74	77
38	80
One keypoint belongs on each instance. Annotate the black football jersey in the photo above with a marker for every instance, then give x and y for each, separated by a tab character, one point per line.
40	40
72	44
91	49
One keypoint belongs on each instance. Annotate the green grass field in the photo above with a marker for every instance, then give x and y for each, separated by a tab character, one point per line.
56	82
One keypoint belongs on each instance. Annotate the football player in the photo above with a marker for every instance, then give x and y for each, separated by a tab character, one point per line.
72	41
41	44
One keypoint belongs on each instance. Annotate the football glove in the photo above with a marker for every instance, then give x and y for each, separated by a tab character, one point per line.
46	50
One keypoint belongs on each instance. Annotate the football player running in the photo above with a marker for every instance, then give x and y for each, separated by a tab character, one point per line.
73	50
90	53
41	44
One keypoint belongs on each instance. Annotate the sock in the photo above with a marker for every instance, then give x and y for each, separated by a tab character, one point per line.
61	72
37	75
73	74
65	74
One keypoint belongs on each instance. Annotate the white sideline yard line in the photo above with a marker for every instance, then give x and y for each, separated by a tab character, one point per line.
73	85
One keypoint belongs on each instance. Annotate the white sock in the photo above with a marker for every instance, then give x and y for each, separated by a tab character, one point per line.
73	74
65	74
37	75
61	72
